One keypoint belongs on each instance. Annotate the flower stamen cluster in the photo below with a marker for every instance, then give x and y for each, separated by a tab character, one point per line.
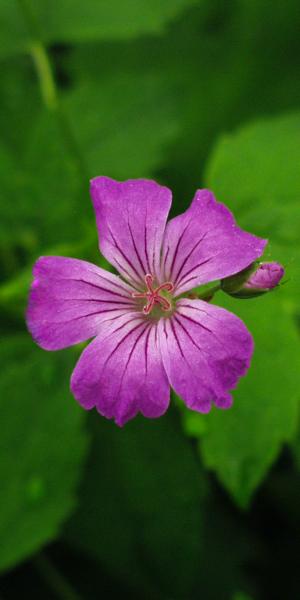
153	295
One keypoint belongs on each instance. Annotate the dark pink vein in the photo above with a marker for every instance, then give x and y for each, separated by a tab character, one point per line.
210	331
94	285
129	275
130	355
70	320
146	349
165	260
182	280
176	337
196	323
112	282
146	247
202	350
122	340
194	308
176	249
103	301
187	332
187	257
123	254
136	251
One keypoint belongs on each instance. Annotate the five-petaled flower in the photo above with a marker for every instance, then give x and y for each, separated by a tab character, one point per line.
149	334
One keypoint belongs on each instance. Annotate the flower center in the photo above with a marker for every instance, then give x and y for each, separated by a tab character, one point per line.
153	295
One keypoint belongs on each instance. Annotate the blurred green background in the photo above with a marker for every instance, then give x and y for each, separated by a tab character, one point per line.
190	93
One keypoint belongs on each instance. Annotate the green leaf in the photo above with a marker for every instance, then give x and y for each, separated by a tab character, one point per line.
140	510
42	202
69	20
256	171
250	172
20	102
128	122
73	20
242	443
11	19
42	448
45	175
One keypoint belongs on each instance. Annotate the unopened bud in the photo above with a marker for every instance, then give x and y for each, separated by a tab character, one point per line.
257	279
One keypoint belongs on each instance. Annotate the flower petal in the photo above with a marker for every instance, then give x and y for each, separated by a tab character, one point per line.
204	244
121	371
205	350
70	298
131	218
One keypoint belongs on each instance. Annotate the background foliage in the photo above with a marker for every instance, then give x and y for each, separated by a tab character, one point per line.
192	93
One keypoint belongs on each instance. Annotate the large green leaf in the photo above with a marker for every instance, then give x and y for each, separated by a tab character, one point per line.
44	176
141	501
256	169
69	20
20	103
11	20
42	202
73	20
250	173
42	448
126	125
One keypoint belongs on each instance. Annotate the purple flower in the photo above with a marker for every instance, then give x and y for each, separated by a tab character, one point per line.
149	335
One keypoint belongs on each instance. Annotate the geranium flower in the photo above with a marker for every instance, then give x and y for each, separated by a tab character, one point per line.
149	334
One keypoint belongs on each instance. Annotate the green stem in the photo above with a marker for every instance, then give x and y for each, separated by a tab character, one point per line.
54	578
48	87
207	293
210	292
45	75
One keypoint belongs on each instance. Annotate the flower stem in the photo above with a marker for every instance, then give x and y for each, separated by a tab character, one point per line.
45	75
202	292
54	578
48	87
210	292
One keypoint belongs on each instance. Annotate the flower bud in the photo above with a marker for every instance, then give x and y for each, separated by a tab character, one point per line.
257	279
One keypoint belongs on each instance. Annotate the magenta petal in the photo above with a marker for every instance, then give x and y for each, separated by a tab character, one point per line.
121	371
70	298
204	244
131	218
205	350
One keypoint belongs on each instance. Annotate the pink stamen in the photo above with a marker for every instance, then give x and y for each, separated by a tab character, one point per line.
152	295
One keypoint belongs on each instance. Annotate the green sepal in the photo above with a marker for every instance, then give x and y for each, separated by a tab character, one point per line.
233	284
